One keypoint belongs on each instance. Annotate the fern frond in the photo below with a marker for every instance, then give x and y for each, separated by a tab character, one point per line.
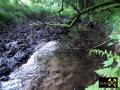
118	65
108	62
119	83
105	72
108	72
98	52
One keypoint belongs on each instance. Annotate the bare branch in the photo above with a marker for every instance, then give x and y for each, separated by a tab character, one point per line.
101	44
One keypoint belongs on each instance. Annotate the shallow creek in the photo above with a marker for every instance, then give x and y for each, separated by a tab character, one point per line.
35	66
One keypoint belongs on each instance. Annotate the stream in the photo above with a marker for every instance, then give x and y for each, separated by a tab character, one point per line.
25	51
35	66
20	46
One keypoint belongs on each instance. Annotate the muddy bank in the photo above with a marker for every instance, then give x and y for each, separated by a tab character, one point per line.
71	68
68	71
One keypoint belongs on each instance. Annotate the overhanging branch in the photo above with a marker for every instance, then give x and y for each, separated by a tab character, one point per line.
105	6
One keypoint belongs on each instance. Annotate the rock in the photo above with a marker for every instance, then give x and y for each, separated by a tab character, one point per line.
1	62
4	78
59	82
4	71
11	45
11	53
2	48
20	56
23	46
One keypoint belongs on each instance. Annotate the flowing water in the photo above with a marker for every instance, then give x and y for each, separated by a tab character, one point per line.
35	66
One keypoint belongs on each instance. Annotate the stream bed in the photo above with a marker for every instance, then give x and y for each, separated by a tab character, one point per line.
34	67
18	46
25	52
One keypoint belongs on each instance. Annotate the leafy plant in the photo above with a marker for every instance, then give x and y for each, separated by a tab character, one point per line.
108	70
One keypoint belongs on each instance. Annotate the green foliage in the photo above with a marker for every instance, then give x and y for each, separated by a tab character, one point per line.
108	69
5	15
69	12
10	12
113	25
41	10
100	17
14	10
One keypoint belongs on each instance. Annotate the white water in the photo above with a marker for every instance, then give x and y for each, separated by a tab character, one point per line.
32	68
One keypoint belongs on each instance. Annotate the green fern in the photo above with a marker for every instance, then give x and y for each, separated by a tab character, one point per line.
101	53
107	70
108	62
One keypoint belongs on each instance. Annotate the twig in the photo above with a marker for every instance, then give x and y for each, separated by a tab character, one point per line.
62	8
101	44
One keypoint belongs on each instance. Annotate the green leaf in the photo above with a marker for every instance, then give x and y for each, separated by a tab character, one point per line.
110	44
105	72
108	62
118	65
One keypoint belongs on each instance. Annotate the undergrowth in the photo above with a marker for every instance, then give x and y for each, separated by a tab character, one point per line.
108	70
10	12
111	67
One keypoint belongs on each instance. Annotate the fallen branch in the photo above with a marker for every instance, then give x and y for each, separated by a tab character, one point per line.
110	6
90	9
106	5
93	8
58	25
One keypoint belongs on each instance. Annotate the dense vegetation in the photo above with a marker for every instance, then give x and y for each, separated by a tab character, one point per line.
106	12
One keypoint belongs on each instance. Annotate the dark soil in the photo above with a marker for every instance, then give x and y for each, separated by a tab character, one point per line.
17	43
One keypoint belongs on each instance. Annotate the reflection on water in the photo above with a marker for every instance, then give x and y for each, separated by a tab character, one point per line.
32	68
